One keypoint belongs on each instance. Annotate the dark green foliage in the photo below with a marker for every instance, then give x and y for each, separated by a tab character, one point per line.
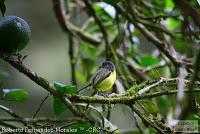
65	89
58	106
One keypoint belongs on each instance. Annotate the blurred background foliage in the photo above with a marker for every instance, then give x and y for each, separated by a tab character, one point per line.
48	52
47	55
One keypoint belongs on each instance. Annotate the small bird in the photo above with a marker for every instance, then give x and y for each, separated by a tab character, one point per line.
103	79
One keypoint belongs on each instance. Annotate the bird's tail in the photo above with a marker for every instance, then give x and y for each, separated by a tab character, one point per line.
84	88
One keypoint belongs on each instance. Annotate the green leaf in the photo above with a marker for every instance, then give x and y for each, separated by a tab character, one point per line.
169	4
88	64
147	11
150	106
158	72
58	106
16	94
65	89
148	60
106	18
81	78
172	23
181	45
112	2
136	32
163	103
155	74
88	50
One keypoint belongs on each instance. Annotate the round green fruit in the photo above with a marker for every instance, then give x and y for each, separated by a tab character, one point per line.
14	34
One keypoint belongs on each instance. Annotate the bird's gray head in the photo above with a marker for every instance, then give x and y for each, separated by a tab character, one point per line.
108	65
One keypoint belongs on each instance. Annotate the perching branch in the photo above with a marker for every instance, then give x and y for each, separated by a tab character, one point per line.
122	99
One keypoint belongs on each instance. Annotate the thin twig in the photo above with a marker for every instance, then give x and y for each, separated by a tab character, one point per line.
7	110
13	114
72	60
62	13
158	17
100	24
148	121
146	89
161	64
137	123
39	107
66	25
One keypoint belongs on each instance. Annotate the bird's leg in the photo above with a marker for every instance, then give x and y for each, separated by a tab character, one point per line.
105	95
88	104
106	108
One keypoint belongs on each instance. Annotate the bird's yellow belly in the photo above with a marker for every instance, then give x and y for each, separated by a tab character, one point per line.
106	85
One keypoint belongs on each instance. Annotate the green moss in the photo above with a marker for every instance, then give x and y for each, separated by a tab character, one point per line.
135	88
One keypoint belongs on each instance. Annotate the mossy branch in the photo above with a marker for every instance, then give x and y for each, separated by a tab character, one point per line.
122	99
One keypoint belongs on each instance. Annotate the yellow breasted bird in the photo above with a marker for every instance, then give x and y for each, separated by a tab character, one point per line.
103	79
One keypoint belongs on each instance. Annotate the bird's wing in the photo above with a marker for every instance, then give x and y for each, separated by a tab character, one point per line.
100	75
